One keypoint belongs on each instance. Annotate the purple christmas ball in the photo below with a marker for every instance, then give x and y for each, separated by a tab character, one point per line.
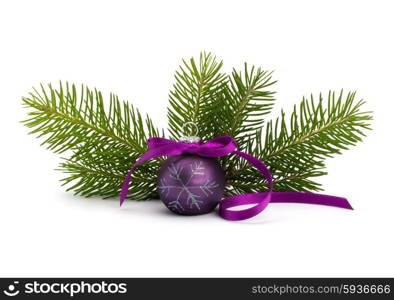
191	184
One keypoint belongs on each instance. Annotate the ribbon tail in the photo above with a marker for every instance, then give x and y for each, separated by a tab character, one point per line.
260	199
125	187
310	198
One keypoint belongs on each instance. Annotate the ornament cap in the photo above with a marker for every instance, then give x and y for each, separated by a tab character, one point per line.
190	139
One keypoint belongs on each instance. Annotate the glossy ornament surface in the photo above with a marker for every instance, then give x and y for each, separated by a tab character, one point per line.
191	184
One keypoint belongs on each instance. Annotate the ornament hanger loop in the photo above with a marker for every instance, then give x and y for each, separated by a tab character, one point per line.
190	136
193	126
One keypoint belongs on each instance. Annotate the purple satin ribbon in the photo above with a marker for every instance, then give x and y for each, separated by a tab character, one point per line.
222	146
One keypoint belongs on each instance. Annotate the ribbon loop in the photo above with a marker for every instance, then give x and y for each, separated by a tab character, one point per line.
222	146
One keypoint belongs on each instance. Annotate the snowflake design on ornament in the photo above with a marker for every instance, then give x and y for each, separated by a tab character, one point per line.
197	169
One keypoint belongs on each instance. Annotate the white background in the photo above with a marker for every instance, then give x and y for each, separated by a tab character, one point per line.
133	48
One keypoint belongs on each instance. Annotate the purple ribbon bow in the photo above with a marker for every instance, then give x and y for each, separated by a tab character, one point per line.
222	146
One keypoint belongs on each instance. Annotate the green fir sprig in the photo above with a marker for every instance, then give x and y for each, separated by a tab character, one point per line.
101	139
295	148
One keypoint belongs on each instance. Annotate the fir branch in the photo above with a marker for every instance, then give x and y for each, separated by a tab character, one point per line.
196	83
89	178
238	109
295	149
249	100
103	142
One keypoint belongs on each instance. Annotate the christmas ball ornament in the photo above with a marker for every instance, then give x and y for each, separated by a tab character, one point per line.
191	184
